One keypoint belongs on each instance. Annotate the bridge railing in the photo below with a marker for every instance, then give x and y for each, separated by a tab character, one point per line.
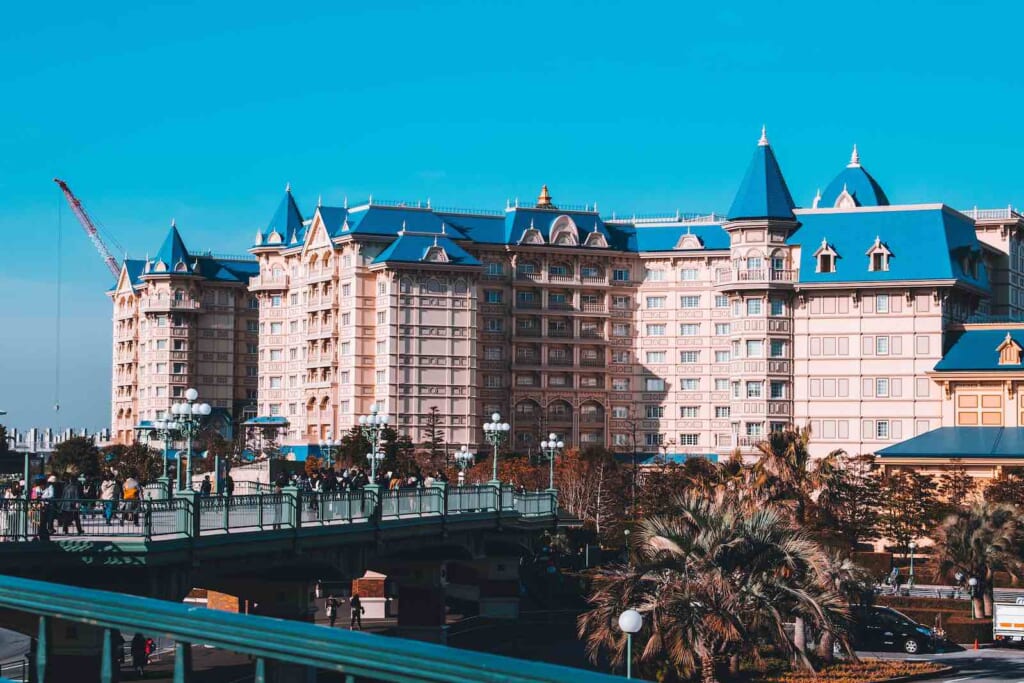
466	499
536	503
336	507
405	503
249	512
353	656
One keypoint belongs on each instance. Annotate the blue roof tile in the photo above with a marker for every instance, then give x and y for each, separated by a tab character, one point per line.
763	192
975	350
864	189
928	242
287	221
961	442
173	254
415	249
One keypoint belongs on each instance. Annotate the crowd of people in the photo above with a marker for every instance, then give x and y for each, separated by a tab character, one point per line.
329	480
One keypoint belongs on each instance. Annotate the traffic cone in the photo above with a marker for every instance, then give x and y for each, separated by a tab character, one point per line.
976	644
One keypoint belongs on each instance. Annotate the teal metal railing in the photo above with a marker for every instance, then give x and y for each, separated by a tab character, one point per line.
189	515
357	656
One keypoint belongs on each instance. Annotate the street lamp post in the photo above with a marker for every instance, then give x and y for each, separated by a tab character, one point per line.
190	415
371	427
464	459
910	580
495	432
973	583
630	622
550	448
165	430
328	447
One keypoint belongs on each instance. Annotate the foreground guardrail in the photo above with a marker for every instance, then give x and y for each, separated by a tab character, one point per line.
189	515
357	655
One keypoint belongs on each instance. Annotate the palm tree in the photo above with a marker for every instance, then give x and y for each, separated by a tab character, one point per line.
714	581
979	541
786	472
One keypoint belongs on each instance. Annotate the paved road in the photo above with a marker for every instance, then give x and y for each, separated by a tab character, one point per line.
988	664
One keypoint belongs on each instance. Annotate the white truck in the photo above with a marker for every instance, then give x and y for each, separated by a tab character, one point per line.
1008	622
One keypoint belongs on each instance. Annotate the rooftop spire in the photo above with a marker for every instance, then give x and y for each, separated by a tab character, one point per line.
854	158
763	142
320	200
173	224
544	200
288	187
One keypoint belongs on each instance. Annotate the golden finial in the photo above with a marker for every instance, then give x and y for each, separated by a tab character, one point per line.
544	200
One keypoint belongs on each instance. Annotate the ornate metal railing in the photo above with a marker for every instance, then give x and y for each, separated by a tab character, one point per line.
355	657
189	515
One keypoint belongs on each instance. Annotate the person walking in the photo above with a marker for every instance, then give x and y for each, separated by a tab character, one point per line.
332	609
131	500
206	487
70	506
107	494
140	657
357	612
229	485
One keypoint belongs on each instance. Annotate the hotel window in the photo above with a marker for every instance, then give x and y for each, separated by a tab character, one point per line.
346	319
778	389
689	302
620	440
275	301
382	347
294	299
722	356
881	429
755	429
252	371
689	357
655	302
755	348
690	384
525	380
346	349
882	346
722	411
252	326
778	263
721	301
344	407
161	392
656	356
293	409
735	389
252	348
620	275
881	303
655	329
558	300
620	412
293	381
882	387
689	439
689	329
179	345
722	329
382	287
754	389
382	377
495	268
254	303
493	353
275	409
178	368
620	356
620	384
559	269
721	384
688	274
753	307
826	263
654	384
275	328
620	330
621	301
754	263
778	307
276	354
293	354
381	317
161	344
652	439
293	326
655	412
778	349
496	325
590	271
275	382
689	411
346	290
651	275
161	321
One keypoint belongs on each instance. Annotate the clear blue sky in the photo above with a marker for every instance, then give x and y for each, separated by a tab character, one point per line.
202	112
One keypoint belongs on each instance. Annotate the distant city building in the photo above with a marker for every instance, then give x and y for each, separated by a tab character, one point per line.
35	440
688	334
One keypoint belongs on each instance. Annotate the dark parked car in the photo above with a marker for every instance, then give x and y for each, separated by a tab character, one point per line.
883	628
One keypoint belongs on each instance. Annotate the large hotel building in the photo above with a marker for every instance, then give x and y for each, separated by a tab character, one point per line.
885	327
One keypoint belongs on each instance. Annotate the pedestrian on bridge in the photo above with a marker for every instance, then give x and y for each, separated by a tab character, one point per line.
140	655
332	609
70	506
206	488
357	612
108	493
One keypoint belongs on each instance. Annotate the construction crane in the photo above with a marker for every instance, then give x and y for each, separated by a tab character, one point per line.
89	227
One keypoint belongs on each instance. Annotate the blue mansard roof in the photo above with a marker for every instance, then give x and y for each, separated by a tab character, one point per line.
859	184
965	443
763	192
926	242
977	350
287	222
420	248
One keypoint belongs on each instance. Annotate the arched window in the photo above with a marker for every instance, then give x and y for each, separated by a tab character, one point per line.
405	285
563	232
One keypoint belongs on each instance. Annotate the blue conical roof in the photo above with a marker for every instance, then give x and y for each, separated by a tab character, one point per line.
855	179
763	192
287	221
173	253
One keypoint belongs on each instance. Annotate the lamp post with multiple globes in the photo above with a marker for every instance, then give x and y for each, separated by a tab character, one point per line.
496	432
464	459
550	448
328	447
371	427
190	416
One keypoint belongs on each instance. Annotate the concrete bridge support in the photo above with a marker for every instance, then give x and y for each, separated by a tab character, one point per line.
421	608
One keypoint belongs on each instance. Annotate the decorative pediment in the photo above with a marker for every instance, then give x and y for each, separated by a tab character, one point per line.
878	255
435	254
124	281
689	241
531	236
316	236
563	232
274	237
596	239
1009	351
845	200
825	258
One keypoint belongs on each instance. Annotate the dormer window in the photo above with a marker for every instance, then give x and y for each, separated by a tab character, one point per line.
826	258
878	256
1009	351
563	232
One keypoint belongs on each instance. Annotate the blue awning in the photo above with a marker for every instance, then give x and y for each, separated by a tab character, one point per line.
960	442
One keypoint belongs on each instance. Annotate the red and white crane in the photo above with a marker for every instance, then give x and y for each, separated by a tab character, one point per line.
89	227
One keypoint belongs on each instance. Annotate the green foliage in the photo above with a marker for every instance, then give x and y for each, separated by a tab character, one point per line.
137	460
909	507
1006	489
75	456
848	504
433	441
957	487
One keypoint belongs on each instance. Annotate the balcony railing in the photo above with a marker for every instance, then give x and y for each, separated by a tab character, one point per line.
268	282
593	308
560	306
156	304
529	305
754	275
992	214
560	361
564	334
527	331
